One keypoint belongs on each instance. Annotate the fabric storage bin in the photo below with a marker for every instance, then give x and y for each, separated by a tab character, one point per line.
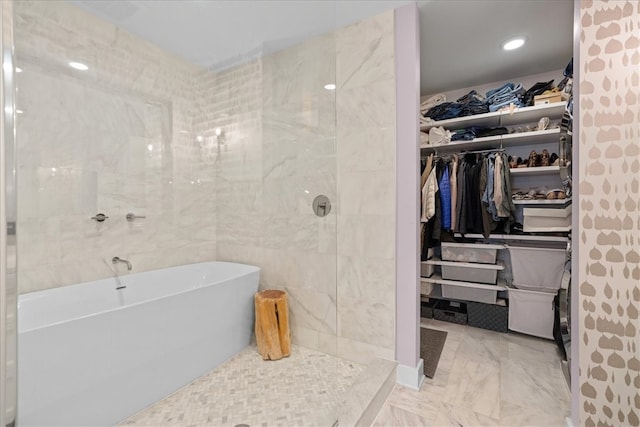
469	252
469	293
450	311
493	317
426	288
531	312
426	269
538	269
426	308
546	219
469	272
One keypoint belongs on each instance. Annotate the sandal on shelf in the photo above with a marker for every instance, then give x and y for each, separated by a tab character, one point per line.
544	158
533	159
556	194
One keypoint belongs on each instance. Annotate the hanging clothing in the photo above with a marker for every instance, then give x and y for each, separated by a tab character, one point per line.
428	196
453	186
461	220
427	170
507	201
487	198
486	224
445	199
497	188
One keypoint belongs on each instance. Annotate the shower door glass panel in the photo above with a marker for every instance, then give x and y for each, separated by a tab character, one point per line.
8	232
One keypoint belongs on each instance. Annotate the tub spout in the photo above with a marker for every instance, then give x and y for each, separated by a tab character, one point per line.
116	260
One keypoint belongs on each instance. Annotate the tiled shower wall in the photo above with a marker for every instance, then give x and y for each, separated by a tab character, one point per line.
609	180
137	133
287	140
117	138
278	153
366	132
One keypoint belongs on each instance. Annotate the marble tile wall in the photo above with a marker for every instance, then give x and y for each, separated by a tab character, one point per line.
296	140
116	138
279	153
609	160
366	178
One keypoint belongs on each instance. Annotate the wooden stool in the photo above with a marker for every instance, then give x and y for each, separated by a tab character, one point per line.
272	324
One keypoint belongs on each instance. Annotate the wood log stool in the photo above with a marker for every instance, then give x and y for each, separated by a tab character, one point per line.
272	324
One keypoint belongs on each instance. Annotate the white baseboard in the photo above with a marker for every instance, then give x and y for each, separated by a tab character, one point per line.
411	377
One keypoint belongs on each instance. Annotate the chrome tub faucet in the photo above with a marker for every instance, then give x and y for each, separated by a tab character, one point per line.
116	260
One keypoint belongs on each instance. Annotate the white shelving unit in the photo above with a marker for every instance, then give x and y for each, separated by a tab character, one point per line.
502	118
559	202
436	286
506	140
515	237
541	170
438	280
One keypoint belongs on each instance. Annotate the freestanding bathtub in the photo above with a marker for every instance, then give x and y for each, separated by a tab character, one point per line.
91	354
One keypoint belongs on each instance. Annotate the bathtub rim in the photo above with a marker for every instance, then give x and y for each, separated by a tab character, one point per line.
251	270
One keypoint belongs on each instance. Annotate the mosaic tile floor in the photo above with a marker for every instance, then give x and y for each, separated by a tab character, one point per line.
301	390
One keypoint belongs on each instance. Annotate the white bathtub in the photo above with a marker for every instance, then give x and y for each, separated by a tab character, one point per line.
91	355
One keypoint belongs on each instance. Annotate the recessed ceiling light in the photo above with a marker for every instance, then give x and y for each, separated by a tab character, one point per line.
78	66
514	43
330	86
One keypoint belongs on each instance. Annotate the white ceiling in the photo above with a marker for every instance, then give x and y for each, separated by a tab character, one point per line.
460	39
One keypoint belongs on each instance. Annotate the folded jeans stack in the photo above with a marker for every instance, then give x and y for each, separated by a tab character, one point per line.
473	103
505	95
477	132
444	111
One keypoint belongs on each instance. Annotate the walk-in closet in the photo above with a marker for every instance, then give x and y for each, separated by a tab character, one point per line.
495	226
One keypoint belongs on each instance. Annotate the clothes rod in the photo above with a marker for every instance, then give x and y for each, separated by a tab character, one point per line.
462	153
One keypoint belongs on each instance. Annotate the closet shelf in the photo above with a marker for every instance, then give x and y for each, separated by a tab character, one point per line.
515	237
437	261
507	140
519	116
560	202
438	280
540	170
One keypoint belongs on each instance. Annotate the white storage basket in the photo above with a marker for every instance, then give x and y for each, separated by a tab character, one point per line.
537	268
531	312
470	252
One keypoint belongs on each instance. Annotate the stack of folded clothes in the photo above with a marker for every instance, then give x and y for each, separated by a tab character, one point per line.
505	95
473	132
444	111
474	103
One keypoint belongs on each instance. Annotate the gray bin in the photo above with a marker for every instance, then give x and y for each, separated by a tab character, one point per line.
463	273
450	311
488	316
469	294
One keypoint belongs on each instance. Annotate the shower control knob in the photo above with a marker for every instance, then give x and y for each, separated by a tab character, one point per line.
99	217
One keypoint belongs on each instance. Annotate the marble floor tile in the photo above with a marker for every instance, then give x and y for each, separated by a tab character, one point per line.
534	384
524	416
486	379
392	416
